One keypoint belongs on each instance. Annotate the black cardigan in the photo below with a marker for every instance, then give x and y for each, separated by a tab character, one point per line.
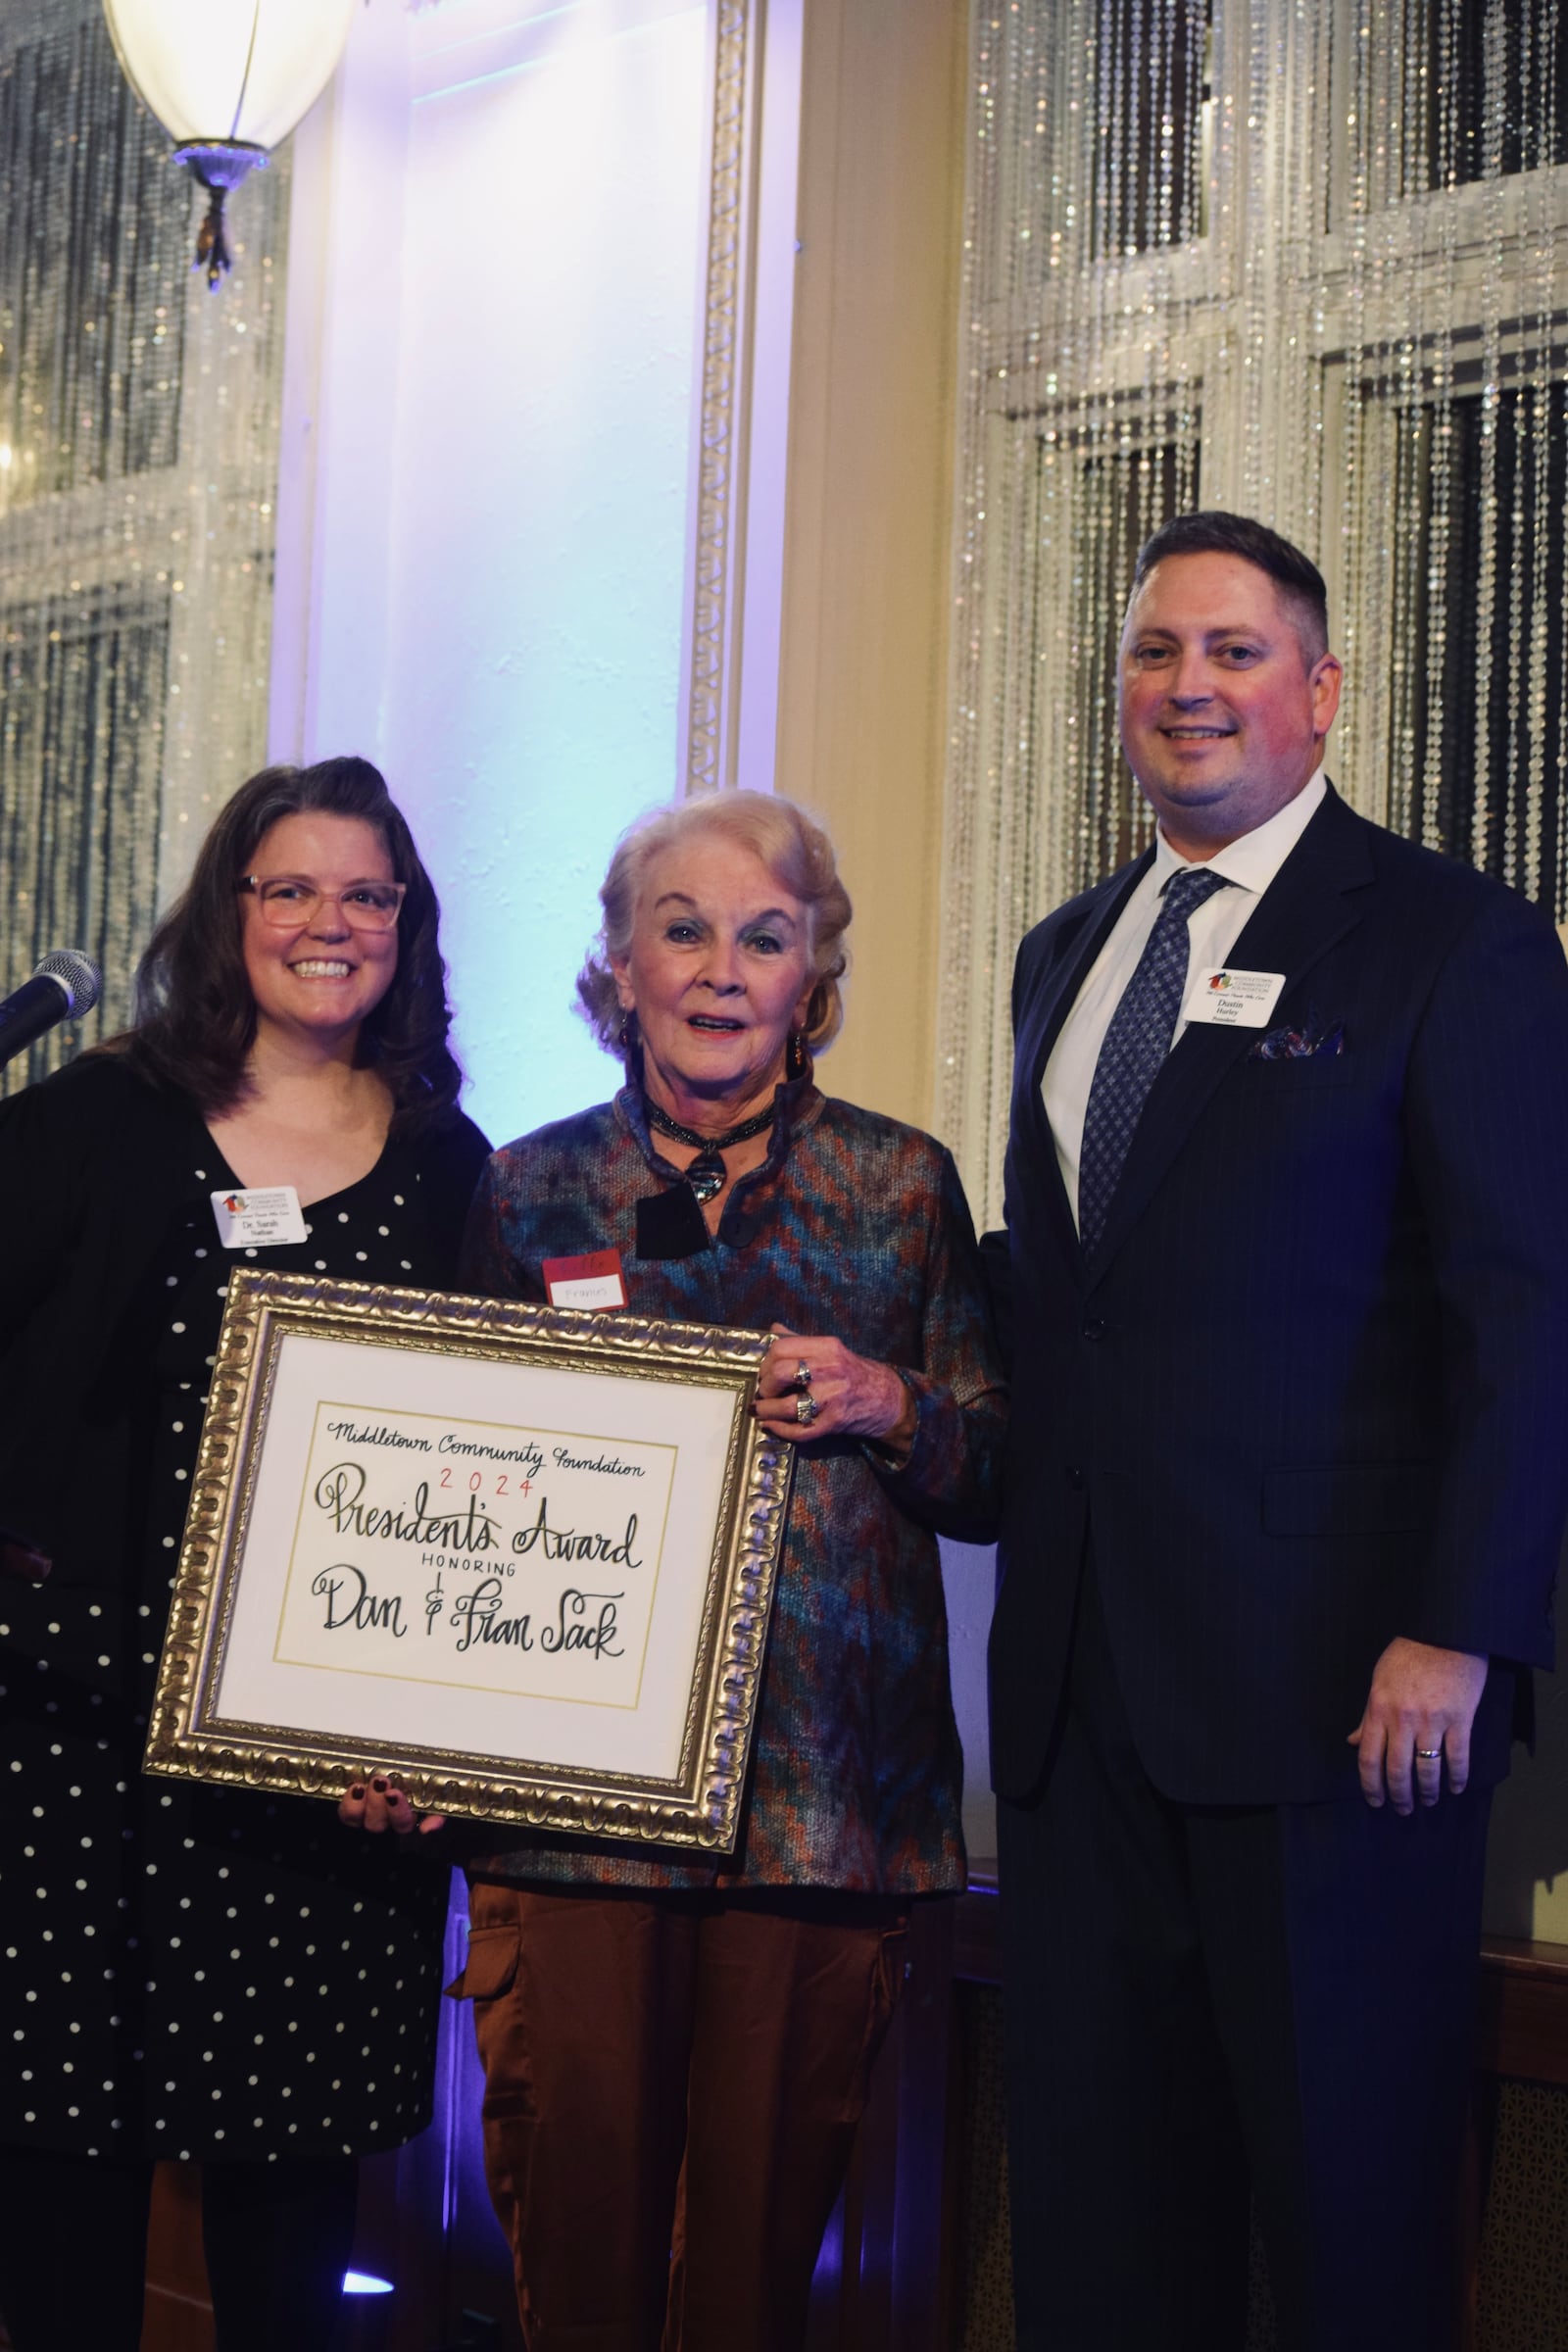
96	1173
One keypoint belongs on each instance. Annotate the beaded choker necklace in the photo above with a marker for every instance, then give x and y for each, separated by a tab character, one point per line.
706	1174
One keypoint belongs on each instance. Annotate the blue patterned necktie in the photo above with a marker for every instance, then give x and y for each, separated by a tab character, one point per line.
1135	1045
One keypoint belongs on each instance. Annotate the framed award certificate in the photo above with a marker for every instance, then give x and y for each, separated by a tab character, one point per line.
519	1556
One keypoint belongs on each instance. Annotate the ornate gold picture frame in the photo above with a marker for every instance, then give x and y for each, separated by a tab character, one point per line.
521	1556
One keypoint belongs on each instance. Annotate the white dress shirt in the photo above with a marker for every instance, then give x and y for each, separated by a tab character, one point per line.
1248	864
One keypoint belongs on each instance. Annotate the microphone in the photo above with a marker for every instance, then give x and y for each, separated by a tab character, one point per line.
64	986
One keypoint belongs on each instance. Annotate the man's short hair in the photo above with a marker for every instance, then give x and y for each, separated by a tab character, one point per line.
1210	532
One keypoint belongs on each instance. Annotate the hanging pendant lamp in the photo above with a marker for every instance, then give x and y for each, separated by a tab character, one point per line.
227	79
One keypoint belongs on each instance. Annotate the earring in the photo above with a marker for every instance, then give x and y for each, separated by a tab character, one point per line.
796	1060
624	1034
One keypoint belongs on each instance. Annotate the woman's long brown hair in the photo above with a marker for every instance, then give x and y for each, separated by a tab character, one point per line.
195	1014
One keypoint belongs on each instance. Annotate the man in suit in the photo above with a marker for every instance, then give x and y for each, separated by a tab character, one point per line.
1287	1276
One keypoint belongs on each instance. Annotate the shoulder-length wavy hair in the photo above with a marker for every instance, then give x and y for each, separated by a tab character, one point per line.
195	1014
795	851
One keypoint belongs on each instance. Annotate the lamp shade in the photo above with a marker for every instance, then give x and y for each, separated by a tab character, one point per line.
228	72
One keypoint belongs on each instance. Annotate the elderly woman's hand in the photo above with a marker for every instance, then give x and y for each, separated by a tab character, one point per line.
854	1396
379	1804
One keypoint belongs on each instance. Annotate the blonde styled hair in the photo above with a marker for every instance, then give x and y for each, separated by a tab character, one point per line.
795	851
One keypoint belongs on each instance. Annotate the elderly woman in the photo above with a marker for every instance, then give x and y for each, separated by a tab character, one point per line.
676	2051
195	1972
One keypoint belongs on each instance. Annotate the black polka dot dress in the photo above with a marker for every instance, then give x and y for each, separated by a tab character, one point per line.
187	1970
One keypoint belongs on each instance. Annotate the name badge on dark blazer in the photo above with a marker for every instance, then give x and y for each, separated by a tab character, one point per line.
1225	996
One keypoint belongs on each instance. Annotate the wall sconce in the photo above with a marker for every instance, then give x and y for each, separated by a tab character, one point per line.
227	79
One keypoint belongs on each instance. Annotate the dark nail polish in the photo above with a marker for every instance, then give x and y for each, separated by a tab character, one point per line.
379	1786
357	1793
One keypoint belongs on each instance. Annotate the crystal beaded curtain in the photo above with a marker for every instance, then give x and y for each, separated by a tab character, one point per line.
139	460
1304	259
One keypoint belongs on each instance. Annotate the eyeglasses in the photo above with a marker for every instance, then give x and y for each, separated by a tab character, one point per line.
288	902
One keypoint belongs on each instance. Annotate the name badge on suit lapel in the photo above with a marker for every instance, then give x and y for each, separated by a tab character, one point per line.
1228	997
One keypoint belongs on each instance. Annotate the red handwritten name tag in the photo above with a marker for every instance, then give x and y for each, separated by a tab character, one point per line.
593	1280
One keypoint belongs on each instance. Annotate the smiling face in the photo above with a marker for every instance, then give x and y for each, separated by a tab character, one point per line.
1222	712
318	979
718	972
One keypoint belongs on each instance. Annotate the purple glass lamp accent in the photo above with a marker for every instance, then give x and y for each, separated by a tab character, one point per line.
218	165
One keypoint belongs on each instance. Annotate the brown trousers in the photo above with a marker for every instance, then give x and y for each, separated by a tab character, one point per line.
673	2083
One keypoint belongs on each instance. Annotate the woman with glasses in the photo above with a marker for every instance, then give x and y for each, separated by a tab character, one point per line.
215	1975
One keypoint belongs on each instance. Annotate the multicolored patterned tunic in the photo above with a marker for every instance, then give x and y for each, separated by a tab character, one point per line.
856	1228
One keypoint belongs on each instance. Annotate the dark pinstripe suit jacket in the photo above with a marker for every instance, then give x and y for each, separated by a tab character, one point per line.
1313	1392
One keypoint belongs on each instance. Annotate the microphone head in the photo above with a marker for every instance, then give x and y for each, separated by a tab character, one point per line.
77	974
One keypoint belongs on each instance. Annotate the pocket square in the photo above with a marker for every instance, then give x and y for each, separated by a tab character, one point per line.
1300	1044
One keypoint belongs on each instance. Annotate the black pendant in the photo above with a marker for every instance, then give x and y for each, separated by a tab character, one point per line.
706	1175
669	1224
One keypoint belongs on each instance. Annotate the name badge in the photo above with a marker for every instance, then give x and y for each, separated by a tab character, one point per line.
260	1218
592	1279
1233	999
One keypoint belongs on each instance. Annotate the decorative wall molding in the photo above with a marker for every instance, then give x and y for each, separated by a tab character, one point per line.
719	452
